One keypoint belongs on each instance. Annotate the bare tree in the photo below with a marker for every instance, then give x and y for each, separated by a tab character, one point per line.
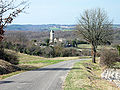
94	26
17	37
9	10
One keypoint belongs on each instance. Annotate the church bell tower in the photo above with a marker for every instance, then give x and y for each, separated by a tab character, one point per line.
51	36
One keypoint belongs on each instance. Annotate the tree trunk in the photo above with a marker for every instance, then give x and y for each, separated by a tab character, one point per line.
93	54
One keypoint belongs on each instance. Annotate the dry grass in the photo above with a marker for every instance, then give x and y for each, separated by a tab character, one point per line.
86	76
27	58
29	62
10	74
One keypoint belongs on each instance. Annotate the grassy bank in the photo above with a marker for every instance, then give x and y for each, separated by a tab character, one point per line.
24	58
86	76
29	62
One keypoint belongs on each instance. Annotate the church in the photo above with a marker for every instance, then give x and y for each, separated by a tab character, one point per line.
55	40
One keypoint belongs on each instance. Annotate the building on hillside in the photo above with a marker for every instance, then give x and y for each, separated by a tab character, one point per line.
62	40
56	40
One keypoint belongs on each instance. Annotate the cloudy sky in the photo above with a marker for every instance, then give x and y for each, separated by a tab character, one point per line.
65	11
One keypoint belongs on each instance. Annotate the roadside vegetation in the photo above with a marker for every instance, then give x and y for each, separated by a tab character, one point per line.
45	51
26	63
86	76
20	62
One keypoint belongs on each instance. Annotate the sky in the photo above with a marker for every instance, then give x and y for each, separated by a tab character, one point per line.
65	11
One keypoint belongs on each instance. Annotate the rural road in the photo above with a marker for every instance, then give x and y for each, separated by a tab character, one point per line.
47	78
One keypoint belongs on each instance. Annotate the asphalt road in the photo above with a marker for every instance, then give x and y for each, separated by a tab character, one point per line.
47	78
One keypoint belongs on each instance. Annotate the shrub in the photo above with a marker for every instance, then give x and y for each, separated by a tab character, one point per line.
108	57
86	52
98	54
58	51
9	56
48	52
73	52
66	52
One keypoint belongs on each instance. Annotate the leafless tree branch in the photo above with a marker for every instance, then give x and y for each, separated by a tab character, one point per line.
95	27
9	10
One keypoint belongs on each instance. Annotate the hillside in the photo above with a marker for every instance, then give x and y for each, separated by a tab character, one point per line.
40	36
43	27
47	27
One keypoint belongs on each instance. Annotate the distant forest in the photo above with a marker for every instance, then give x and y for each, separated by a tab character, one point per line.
46	27
41	36
43	27
41	32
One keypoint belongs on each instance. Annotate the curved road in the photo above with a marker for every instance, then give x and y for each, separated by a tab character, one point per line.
47	78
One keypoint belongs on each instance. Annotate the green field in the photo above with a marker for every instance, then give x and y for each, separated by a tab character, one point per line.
54	29
88	46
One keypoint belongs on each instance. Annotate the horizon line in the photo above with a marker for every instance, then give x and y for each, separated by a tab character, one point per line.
54	23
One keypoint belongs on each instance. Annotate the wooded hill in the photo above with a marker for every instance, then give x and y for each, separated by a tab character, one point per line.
43	27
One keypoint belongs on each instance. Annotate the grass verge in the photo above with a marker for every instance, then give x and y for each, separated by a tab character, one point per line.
29	62
86	76
10	74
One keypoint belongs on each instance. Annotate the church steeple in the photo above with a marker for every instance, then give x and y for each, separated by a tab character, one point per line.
51	36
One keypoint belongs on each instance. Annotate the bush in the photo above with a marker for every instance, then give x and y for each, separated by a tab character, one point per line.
108	57
58	51
72	52
9	56
98	54
48	52
86	52
66	52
